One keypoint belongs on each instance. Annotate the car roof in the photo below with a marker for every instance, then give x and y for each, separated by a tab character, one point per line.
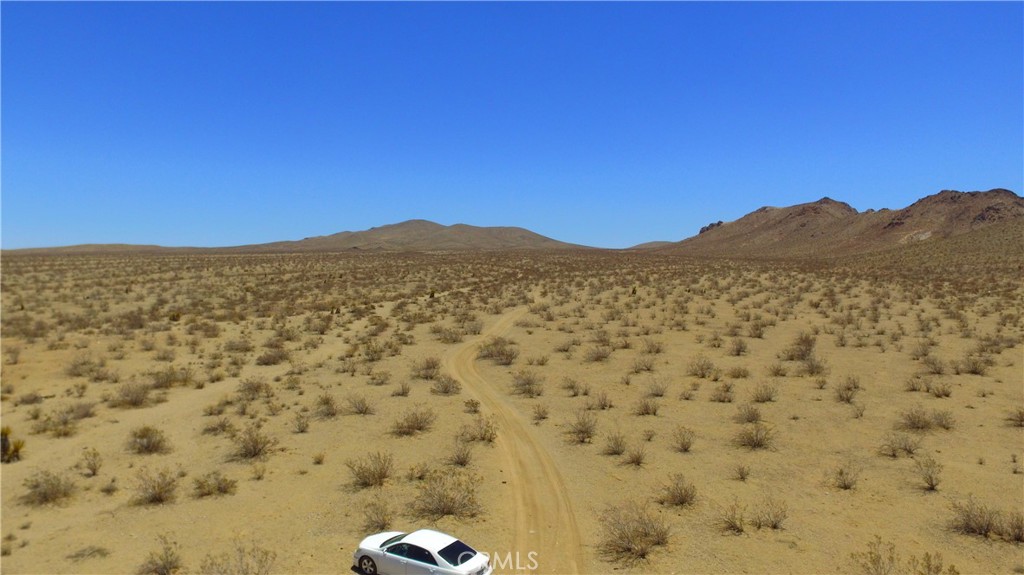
429	539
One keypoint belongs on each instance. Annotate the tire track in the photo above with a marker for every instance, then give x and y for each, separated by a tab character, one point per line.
544	519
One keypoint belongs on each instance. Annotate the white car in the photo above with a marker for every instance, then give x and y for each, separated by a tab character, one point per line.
424	551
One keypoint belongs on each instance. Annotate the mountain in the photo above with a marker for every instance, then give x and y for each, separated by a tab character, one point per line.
827	228
409	236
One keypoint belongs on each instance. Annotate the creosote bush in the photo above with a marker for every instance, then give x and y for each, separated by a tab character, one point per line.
155	488
253	443
243	560
630	531
678	492
165	561
46	487
582	427
446	494
147	440
415	420
214	483
755	436
372	470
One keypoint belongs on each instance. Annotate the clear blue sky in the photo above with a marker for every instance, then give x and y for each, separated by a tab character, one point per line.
604	124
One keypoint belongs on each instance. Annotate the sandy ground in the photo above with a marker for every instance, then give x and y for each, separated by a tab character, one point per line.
542	495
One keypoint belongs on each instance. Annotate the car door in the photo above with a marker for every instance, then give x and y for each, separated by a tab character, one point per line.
394	559
421	562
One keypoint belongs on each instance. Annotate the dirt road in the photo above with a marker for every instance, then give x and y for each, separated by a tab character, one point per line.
544	518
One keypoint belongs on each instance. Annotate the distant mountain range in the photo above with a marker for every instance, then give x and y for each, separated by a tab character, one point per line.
828	228
822	229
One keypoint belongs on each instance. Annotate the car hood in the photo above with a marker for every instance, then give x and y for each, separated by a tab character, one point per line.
374	541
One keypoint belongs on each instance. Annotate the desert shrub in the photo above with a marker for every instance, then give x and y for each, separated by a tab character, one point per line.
642	364
599	402
894	444
372	470
10	449
737	347
777	370
597	353
629	532
272	357
915	419
251	560
46	487
300	423
540	413
498	349
446	385
131	394
738	372
972	364
402	390
166	561
253	388
91	462
481	429
427	368
973	518
732	518
253	443
801	349
635	456
326	406
646	406
929	470
147	439
223	425
882	559
755	436
771	513
615	443
461	454
678	492
741	472
657	389
814	365
747	414
376	516
238	346
582	428
1012	528
379	378
939	389
764	393
527	383
214	483
682	439
722	393
943	418
700	366
155	489
446	494
413	421
171	376
933	365
358	405
845	475
574	388
472	406
846	391
1015	417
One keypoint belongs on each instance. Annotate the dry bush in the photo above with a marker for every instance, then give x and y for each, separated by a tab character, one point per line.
155	489
755	436
461	454
973	518
732	519
300	423
251	560
223	425
272	357
253	443
446	385
498	349
472	406
894	444
481	429
597	353
771	513
599	402
657	389
701	366
723	393
845	475
615	444
91	462
635	456
372	470
801	349
847	390
213	483
629	532
326	406
166	561
358	405
646	406
764	393
929	470
147	440
253	388
402	390
882	559
738	372
678	492
747	414
540	413
46	487
412	421
527	383
582	428
427	368
741	472
376	516
915	419
131	394
1012	527
446	494
1015	417
943	418
737	347
682	439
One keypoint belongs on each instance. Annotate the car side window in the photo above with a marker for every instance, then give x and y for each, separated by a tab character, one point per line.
420	554
400	549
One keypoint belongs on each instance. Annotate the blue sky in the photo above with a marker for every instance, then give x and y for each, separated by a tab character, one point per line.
605	124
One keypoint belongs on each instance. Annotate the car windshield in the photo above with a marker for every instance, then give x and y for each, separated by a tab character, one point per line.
457	553
392	540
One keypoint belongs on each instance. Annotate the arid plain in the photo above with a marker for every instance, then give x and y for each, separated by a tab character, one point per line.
565	411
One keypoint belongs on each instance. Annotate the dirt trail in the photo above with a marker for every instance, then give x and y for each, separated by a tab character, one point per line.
544	520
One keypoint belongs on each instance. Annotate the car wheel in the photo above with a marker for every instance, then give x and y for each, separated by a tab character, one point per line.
367	566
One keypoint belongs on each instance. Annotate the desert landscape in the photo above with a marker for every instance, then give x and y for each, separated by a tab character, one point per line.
717	405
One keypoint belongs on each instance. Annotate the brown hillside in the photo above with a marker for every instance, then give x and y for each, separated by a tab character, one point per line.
828	228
